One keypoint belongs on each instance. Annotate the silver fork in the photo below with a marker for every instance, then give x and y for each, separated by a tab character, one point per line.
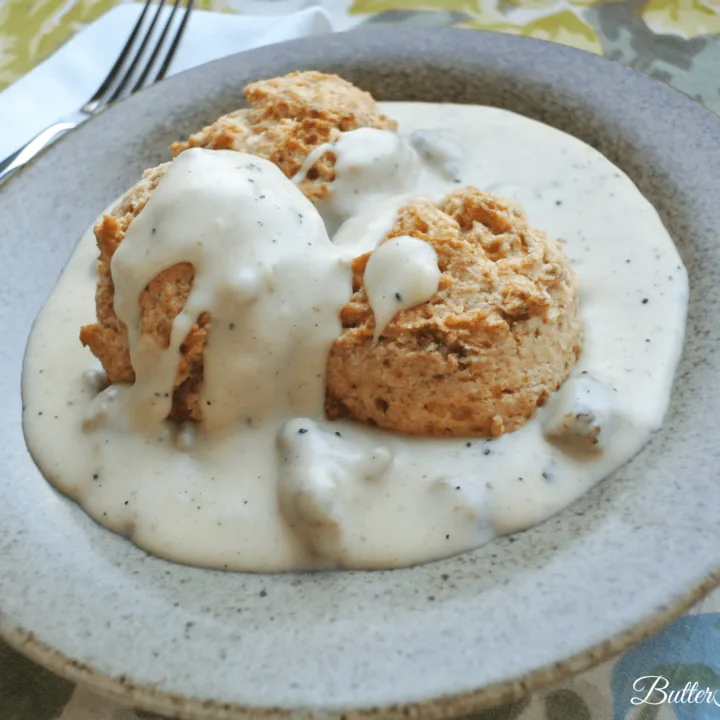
120	82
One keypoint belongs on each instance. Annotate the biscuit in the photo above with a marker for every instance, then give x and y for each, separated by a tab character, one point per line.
498	337
161	301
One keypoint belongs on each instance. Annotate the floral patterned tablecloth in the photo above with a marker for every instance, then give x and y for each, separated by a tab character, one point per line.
676	41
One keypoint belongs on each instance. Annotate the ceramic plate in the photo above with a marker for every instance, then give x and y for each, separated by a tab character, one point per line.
434	640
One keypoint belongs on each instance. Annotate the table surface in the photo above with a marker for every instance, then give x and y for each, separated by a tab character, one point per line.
675	41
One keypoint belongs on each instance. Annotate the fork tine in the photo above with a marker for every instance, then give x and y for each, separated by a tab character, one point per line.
158	46
176	41
110	77
138	56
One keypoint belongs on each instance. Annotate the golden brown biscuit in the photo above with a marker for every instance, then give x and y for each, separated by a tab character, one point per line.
161	301
288	117
485	351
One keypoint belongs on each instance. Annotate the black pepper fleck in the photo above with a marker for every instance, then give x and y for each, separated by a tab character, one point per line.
645	301
468	444
263	593
302	431
486	451
337	432
398	297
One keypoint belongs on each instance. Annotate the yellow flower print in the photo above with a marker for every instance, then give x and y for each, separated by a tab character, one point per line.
216	5
370	7
30	31
563	26
686	18
544	4
557	20
473	7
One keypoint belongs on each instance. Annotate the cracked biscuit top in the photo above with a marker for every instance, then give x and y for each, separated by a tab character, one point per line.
288	117
478	358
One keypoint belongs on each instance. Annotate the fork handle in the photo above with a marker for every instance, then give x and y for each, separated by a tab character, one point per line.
11	163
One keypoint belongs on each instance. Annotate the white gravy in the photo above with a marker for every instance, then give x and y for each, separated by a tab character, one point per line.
266	483
370	165
401	273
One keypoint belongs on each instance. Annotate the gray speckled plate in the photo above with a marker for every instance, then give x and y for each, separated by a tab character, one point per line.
434	640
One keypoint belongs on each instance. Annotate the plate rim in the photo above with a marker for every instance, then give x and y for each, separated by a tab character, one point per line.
449	706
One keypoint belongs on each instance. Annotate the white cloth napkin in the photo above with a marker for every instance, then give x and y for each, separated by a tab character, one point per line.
68	78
